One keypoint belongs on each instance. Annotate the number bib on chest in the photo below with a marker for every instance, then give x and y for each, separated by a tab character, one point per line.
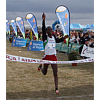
50	46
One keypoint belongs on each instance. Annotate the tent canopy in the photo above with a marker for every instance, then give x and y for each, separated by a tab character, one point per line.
91	26
87	26
76	26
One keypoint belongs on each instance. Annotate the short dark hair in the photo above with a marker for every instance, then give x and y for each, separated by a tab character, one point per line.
48	27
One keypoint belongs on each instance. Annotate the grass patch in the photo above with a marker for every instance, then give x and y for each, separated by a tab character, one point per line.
23	80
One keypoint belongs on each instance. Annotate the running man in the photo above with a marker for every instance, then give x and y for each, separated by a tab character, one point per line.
49	43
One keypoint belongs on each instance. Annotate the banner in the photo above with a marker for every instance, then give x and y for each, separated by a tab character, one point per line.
19	42
58	46
7	27
87	51
63	16
63	47
13	23
36	46
75	46
31	60
32	21
20	24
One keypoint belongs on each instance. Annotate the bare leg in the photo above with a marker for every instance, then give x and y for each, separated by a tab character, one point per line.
55	70
44	69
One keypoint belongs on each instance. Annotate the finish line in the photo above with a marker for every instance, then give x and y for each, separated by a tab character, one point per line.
31	60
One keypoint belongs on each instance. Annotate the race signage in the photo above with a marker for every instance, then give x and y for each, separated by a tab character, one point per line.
13	23
33	23
63	16
36	46
19	42
87	51
20	24
8	26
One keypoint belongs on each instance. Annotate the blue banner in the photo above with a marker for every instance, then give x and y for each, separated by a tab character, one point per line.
7	27
63	16
19	42
35	46
32	21
13	23
20	24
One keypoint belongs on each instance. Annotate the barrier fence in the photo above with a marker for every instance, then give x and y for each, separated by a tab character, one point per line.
72	46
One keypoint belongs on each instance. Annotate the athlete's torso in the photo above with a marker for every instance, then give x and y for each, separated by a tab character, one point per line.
49	46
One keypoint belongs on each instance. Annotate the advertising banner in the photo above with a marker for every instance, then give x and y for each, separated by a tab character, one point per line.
20	24
75	47
32	21
58	46
87	51
13	23
19	42
8	26
63	16
35	46
65	48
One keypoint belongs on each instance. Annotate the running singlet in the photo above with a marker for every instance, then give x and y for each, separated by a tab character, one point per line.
49	46
49	43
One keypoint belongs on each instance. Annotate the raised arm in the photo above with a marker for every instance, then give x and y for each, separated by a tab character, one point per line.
44	36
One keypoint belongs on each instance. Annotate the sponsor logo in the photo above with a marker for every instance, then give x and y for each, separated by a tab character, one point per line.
74	46
33	20
51	40
34	25
30	43
66	15
29	47
21	22
14	40
65	23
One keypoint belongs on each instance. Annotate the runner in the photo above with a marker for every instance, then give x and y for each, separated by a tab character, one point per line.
49	43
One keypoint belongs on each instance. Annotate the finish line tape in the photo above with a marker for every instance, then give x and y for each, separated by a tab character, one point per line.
31	60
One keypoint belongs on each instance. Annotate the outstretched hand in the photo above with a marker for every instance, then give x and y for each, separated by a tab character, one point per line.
65	37
43	16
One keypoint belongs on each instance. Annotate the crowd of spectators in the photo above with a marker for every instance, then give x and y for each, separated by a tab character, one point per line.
82	38
75	37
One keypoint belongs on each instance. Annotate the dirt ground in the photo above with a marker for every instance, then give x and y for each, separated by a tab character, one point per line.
25	82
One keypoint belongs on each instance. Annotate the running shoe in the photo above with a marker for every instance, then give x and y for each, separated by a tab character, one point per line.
57	92
39	68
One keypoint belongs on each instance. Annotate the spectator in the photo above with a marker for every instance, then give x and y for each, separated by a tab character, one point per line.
34	37
40	37
60	35
77	38
91	43
74	32
87	42
92	35
72	38
81	40
86	37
